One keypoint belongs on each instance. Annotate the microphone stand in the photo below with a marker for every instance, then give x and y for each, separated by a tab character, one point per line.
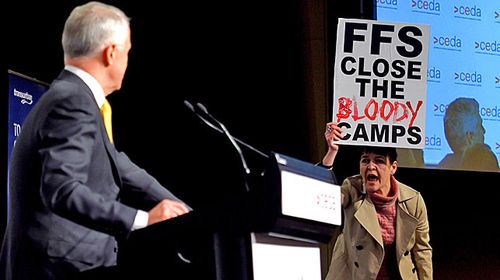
229	136
202	112
191	107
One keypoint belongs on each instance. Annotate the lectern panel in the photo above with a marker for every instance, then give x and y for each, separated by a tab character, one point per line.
309	198
278	258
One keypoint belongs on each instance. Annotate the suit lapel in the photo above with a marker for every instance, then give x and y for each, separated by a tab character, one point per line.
111	151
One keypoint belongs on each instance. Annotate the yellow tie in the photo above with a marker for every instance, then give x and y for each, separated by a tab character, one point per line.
106	115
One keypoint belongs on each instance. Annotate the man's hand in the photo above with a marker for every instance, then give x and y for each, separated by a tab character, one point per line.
165	210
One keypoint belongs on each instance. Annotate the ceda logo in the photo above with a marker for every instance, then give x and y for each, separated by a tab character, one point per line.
440	108
468	78
392	4
433	141
426	6
485	47
467	12
434	74
453	43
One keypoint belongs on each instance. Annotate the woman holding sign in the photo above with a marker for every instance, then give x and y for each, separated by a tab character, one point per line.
385	233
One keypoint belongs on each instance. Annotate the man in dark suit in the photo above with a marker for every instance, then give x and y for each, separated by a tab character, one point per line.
68	183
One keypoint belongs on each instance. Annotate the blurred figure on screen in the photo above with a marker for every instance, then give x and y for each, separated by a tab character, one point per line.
73	195
385	231
463	128
410	157
480	157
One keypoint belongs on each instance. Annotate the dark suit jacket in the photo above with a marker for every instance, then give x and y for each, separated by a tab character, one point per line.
67	182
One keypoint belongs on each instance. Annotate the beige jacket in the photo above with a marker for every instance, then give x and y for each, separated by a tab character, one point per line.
359	249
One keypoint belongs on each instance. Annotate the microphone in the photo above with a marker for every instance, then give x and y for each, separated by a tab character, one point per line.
228	135
205	112
191	107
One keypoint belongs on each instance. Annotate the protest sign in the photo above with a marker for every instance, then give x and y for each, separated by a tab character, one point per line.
380	83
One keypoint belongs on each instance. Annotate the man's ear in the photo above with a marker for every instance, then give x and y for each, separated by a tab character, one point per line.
109	54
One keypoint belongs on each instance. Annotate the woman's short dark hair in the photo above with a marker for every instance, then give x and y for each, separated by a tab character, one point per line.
389	152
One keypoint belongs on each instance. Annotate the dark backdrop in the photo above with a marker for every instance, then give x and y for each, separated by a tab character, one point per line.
244	60
241	59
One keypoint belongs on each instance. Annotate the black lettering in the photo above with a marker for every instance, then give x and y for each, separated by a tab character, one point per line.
360	132
399	70
414	69
362	85
416	138
382	88
350	37
343	65
380	133
397	131
347	127
395	89
362	71
409	40
377	37
385	67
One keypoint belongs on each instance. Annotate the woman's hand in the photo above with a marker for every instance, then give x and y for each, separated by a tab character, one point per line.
333	133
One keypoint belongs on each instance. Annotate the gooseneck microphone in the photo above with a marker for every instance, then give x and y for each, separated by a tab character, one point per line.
201	112
192	109
228	135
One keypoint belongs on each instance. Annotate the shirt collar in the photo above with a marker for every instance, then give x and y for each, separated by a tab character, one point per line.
90	81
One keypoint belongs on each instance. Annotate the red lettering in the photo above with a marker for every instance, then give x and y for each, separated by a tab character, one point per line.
375	109
405	111
356	115
397	110
383	115
344	108
413	113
